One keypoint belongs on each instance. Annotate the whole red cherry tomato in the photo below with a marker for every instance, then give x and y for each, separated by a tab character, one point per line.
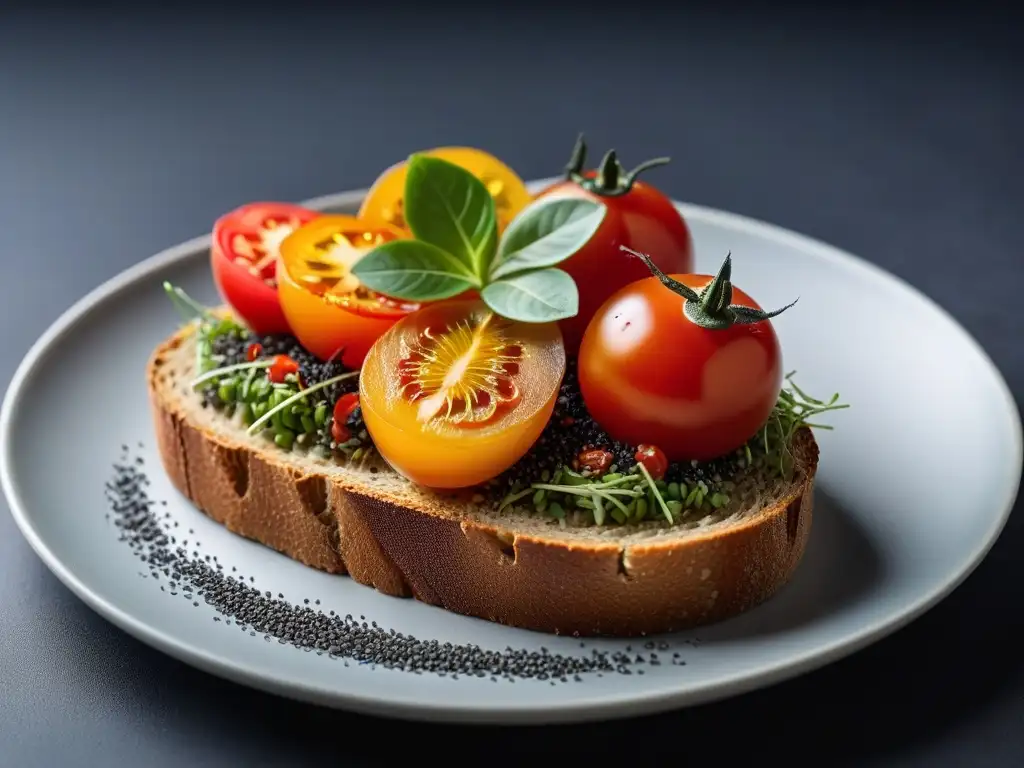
688	363
638	216
244	256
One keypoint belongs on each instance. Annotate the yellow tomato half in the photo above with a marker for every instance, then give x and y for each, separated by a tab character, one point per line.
384	200
453	395
328	310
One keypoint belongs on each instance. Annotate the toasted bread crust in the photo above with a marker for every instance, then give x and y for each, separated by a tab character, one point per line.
585	587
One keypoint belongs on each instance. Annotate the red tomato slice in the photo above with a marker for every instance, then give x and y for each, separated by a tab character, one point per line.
244	255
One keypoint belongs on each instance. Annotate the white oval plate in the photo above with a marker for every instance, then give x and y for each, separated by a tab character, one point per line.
916	483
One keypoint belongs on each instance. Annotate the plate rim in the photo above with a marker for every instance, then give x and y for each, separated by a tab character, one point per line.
518	714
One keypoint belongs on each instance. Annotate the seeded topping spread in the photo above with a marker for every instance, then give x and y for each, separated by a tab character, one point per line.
572	446
572	438
573	472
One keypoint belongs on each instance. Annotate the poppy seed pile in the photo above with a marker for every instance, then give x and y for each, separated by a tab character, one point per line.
152	536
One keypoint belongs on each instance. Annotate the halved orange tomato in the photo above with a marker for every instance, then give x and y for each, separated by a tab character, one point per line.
328	310
384	200
453	395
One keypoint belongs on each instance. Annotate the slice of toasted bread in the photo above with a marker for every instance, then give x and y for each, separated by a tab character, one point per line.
514	567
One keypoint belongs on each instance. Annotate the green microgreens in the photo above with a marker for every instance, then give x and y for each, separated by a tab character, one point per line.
300	395
654	488
769	450
793	411
456	246
218	373
297	415
611	178
208	325
189	308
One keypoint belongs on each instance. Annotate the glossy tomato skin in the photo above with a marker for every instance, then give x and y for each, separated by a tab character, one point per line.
643	219
329	320
649	375
515	367
242	238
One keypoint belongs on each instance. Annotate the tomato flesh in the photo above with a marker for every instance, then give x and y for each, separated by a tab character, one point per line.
643	219
384	200
453	395
243	258
649	375
328	310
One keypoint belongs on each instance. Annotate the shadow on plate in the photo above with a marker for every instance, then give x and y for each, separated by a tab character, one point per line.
841	566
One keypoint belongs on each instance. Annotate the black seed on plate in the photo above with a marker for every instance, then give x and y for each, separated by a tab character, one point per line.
309	629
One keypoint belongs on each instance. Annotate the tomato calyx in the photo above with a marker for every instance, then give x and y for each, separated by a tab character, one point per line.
611	178
711	307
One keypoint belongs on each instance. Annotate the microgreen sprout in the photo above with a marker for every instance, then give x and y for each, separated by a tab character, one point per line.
189	308
301	394
654	488
792	412
217	373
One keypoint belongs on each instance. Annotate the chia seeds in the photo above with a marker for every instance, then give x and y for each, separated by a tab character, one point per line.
311	629
570	431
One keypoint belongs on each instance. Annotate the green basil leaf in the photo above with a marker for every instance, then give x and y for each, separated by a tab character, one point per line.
414	271
447	206
534	297
547	232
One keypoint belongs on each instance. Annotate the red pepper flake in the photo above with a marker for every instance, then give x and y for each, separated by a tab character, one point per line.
653	459
281	367
568	421
346	404
340	433
595	460
253	351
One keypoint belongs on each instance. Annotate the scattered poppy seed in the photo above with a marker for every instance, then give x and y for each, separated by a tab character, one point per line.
366	643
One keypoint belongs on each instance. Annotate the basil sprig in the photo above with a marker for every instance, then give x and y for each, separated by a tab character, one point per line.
456	246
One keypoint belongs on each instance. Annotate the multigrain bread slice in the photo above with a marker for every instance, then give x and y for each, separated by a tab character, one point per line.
515	567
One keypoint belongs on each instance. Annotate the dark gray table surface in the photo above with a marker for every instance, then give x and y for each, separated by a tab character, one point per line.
898	138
